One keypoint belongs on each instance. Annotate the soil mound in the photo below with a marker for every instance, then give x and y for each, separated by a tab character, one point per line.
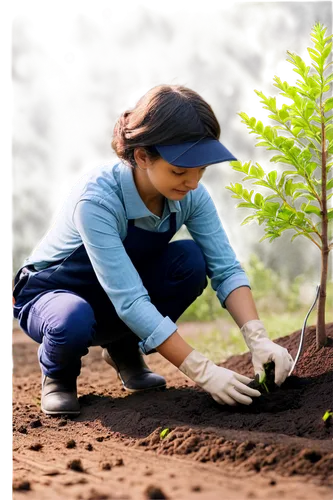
280	433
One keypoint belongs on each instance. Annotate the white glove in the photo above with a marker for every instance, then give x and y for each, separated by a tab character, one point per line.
225	386
264	350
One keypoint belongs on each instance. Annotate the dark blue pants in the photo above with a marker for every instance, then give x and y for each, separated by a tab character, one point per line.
66	325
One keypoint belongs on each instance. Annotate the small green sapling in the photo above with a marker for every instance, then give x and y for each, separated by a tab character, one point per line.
298	196
265	383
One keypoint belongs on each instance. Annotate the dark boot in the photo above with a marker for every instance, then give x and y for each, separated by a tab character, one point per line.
59	397
129	364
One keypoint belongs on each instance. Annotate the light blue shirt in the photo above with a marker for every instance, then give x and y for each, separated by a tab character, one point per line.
96	213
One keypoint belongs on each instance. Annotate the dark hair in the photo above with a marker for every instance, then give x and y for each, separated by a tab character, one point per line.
166	114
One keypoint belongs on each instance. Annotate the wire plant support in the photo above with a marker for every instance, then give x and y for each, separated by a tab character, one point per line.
300	347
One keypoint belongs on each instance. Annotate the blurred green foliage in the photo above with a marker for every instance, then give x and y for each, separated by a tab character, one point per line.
272	293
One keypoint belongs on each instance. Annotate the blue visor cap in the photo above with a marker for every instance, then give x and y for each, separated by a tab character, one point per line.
205	151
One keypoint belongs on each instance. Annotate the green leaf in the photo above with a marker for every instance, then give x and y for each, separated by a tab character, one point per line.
253	172
309	109
278	83
328	119
329	185
295	151
330	214
261	172
310	168
308	196
328	79
248	219
278	127
281	158
258	199
244	204
272	176
288	172
265	237
284	113
271	207
314	54
328	105
263	143
296	130
329	132
316	119
328	414
272	196
292	187
262	183
311	209
239	167
327	65
259	127
238	188
279	141
295	236
327	51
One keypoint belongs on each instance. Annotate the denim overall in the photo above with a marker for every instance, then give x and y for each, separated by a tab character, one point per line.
66	310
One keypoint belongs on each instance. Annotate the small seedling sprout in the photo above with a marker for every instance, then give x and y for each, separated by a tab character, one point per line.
328	414
265	386
266	379
164	433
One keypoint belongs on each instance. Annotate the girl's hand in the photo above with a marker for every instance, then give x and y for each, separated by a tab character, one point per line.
264	350
225	386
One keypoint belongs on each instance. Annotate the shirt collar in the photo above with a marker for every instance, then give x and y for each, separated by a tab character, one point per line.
134	206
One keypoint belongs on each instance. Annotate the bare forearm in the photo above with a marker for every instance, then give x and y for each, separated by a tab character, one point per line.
175	349
241	306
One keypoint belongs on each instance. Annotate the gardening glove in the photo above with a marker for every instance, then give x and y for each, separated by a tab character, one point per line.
264	350
225	386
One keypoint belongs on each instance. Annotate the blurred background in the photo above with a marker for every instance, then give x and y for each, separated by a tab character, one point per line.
76	68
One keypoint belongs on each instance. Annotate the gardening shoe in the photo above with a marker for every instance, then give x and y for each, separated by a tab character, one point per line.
132	370
59	397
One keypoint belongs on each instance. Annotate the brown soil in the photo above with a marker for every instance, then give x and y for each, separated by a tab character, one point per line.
277	447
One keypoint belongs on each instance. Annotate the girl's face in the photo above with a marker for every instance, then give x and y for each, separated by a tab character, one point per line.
170	181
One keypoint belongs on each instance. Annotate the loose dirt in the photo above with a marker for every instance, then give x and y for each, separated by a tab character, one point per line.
277	447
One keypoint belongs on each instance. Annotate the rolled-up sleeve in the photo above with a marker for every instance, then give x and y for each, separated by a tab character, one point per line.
117	275
205	227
